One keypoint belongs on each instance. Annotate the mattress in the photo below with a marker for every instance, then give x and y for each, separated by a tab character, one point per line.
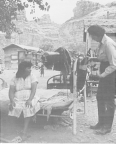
46	97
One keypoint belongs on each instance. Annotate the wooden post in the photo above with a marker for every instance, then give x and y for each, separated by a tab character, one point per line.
75	100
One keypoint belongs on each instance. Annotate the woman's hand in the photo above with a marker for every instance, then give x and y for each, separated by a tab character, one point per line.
12	104
28	103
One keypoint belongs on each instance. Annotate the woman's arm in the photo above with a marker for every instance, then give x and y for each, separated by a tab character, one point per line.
33	90
34	83
11	93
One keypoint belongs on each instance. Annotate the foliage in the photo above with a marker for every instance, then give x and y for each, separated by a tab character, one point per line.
8	13
111	4
46	47
85	7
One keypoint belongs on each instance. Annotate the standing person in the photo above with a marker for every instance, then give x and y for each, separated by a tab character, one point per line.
42	70
107	78
22	95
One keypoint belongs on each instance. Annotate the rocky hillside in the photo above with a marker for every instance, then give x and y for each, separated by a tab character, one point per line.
38	34
41	33
49	36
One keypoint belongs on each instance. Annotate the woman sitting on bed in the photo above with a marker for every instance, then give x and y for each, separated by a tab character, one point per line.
22	94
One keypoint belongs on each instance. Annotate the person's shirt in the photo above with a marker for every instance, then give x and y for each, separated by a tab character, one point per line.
21	84
107	52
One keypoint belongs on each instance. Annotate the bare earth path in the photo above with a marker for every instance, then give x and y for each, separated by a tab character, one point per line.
52	131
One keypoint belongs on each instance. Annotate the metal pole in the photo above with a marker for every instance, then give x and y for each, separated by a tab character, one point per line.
75	101
85	100
88	46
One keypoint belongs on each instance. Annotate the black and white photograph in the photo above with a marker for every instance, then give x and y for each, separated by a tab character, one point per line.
58	71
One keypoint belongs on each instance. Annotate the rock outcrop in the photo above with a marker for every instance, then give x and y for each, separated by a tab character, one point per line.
41	32
36	33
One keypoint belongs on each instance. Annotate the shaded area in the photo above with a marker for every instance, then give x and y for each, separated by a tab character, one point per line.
59	60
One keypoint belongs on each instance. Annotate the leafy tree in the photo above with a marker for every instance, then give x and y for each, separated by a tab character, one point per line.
85	7
8	13
46	47
111	4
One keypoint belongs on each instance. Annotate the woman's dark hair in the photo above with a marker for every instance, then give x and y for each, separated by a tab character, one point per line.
21	68
96	30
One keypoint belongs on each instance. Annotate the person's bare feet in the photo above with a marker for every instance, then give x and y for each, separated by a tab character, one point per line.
24	136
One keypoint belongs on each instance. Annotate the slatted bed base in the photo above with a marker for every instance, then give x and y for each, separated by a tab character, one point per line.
56	112
61	116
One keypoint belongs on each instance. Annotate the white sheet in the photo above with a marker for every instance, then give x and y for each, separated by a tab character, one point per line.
41	93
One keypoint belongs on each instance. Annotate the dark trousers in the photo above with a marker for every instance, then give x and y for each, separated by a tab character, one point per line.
106	111
105	97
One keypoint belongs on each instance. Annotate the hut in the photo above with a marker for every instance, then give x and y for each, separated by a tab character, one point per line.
11	55
14	52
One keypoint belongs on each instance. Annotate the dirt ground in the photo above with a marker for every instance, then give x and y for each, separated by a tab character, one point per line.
55	131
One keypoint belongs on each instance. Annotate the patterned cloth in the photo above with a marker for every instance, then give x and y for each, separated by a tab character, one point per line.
22	94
